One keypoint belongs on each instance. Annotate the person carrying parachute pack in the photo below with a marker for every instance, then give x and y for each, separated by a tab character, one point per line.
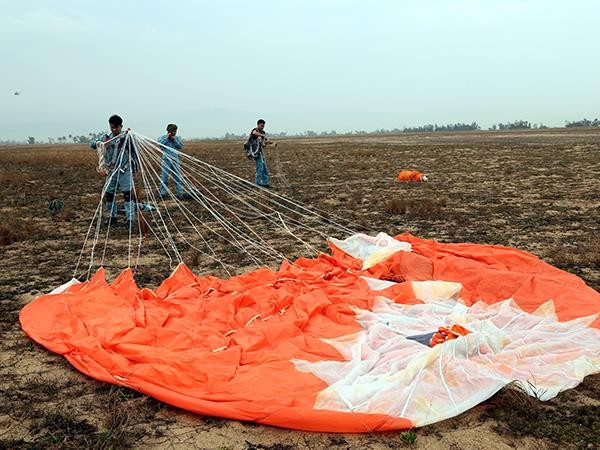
254	148
118	161
171	147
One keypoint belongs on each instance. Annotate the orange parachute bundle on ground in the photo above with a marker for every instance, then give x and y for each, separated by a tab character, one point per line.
411	175
334	343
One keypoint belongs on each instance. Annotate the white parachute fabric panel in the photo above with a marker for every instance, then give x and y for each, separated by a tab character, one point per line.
436	291
375	284
429	291
387	373
63	287
371	250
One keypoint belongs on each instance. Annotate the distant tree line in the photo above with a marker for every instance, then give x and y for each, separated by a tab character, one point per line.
429	128
237	137
73	139
474	126
70	139
583	123
516	125
310	133
9	142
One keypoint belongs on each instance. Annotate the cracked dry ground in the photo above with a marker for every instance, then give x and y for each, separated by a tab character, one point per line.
535	190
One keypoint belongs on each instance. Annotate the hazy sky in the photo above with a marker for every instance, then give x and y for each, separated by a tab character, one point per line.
217	66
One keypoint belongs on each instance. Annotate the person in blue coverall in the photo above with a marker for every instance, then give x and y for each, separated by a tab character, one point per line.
118	162
256	144
171	147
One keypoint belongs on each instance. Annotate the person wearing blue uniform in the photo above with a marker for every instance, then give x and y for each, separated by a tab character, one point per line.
118	162
171	167
256	144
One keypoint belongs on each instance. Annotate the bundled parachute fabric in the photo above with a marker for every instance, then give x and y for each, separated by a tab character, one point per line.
326	345
411	175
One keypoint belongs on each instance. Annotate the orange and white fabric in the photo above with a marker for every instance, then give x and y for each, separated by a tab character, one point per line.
411	175
326	344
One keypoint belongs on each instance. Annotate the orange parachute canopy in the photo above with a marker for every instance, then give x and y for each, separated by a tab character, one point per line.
411	175
325	345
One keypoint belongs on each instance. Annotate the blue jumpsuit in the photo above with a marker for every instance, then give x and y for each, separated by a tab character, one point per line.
170	164
122	162
262	173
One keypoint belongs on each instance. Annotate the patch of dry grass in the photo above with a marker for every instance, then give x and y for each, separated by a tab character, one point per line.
192	258
586	253
15	178
14	230
66	215
425	207
570	424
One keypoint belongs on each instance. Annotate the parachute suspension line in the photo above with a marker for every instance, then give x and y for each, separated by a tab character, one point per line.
130	210
215	215
213	256
165	237
111	206
219	182
164	230
97	219
225	198
225	186
180	206
161	222
97	212
307	245
223	222
279	168
137	214
160	241
150	189
260	191
195	192
99	223
281	216
269	195
97	231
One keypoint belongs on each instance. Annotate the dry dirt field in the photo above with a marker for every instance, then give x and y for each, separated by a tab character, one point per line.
537	190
